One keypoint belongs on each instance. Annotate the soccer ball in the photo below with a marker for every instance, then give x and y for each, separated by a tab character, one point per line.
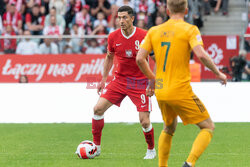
86	150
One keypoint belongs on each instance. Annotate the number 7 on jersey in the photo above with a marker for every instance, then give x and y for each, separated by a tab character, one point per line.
166	56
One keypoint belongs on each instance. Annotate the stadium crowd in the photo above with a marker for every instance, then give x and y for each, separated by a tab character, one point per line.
81	17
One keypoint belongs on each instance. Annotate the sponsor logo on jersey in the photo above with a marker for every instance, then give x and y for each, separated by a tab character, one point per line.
104	91
118	44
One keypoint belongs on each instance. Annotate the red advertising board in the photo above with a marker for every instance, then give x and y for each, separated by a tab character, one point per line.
89	68
220	49
52	68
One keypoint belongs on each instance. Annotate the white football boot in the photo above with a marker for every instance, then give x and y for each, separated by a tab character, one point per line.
150	154
98	152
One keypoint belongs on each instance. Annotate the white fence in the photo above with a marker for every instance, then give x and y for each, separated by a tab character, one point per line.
72	102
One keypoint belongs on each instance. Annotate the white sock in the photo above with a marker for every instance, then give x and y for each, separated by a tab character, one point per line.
148	129
98	117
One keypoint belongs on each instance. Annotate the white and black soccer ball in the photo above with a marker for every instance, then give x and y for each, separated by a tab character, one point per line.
86	150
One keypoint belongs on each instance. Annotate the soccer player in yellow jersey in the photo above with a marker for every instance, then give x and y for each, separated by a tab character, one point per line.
172	43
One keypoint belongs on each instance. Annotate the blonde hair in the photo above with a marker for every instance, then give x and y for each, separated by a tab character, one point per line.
177	6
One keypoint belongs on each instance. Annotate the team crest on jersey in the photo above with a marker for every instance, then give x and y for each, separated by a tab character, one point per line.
128	53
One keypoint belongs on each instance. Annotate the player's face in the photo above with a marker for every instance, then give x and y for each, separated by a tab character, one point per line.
125	20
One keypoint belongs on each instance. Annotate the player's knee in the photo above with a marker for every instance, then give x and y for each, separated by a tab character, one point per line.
170	130
98	110
212	126
145	123
209	125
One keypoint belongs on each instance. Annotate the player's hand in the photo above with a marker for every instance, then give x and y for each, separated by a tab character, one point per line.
150	88
223	78
100	87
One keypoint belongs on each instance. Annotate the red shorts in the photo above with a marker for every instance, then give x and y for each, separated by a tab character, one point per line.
117	90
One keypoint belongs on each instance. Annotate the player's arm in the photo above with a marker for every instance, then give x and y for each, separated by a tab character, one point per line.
108	63
152	56
141	60
207	61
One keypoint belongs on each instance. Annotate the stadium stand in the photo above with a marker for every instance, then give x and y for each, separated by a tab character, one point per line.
82	17
233	23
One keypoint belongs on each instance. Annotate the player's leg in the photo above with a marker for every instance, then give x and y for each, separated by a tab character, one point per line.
202	140
112	94
148	132
165	139
193	111
144	107
98	121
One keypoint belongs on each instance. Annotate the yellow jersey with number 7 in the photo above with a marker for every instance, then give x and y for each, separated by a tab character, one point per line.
172	43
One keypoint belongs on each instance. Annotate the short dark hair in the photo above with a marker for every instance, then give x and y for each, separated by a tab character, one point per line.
126	9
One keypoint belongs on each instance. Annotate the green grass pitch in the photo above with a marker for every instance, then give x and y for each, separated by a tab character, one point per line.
123	145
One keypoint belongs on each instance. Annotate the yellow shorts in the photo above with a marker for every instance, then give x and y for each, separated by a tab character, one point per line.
191	111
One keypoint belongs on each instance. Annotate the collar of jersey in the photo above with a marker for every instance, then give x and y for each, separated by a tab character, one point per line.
176	20
127	37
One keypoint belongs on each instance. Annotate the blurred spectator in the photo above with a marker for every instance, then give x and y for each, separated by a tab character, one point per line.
130	3
70	12
141	24
100	30
225	7
162	12
239	65
48	47
13	17
93	48
247	39
53	28
113	25
77	43
59	19
197	15
1	25
147	7
18	4
3	4
44	7
158	20
216	5
60	6
100	20
82	19
23	79
31	3
66	46
23	11
142	16
247	70
100	6
35	21
191	10
27	46
78	4
8	45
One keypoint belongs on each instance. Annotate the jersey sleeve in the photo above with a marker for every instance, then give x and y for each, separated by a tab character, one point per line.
195	37
146	43
110	47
